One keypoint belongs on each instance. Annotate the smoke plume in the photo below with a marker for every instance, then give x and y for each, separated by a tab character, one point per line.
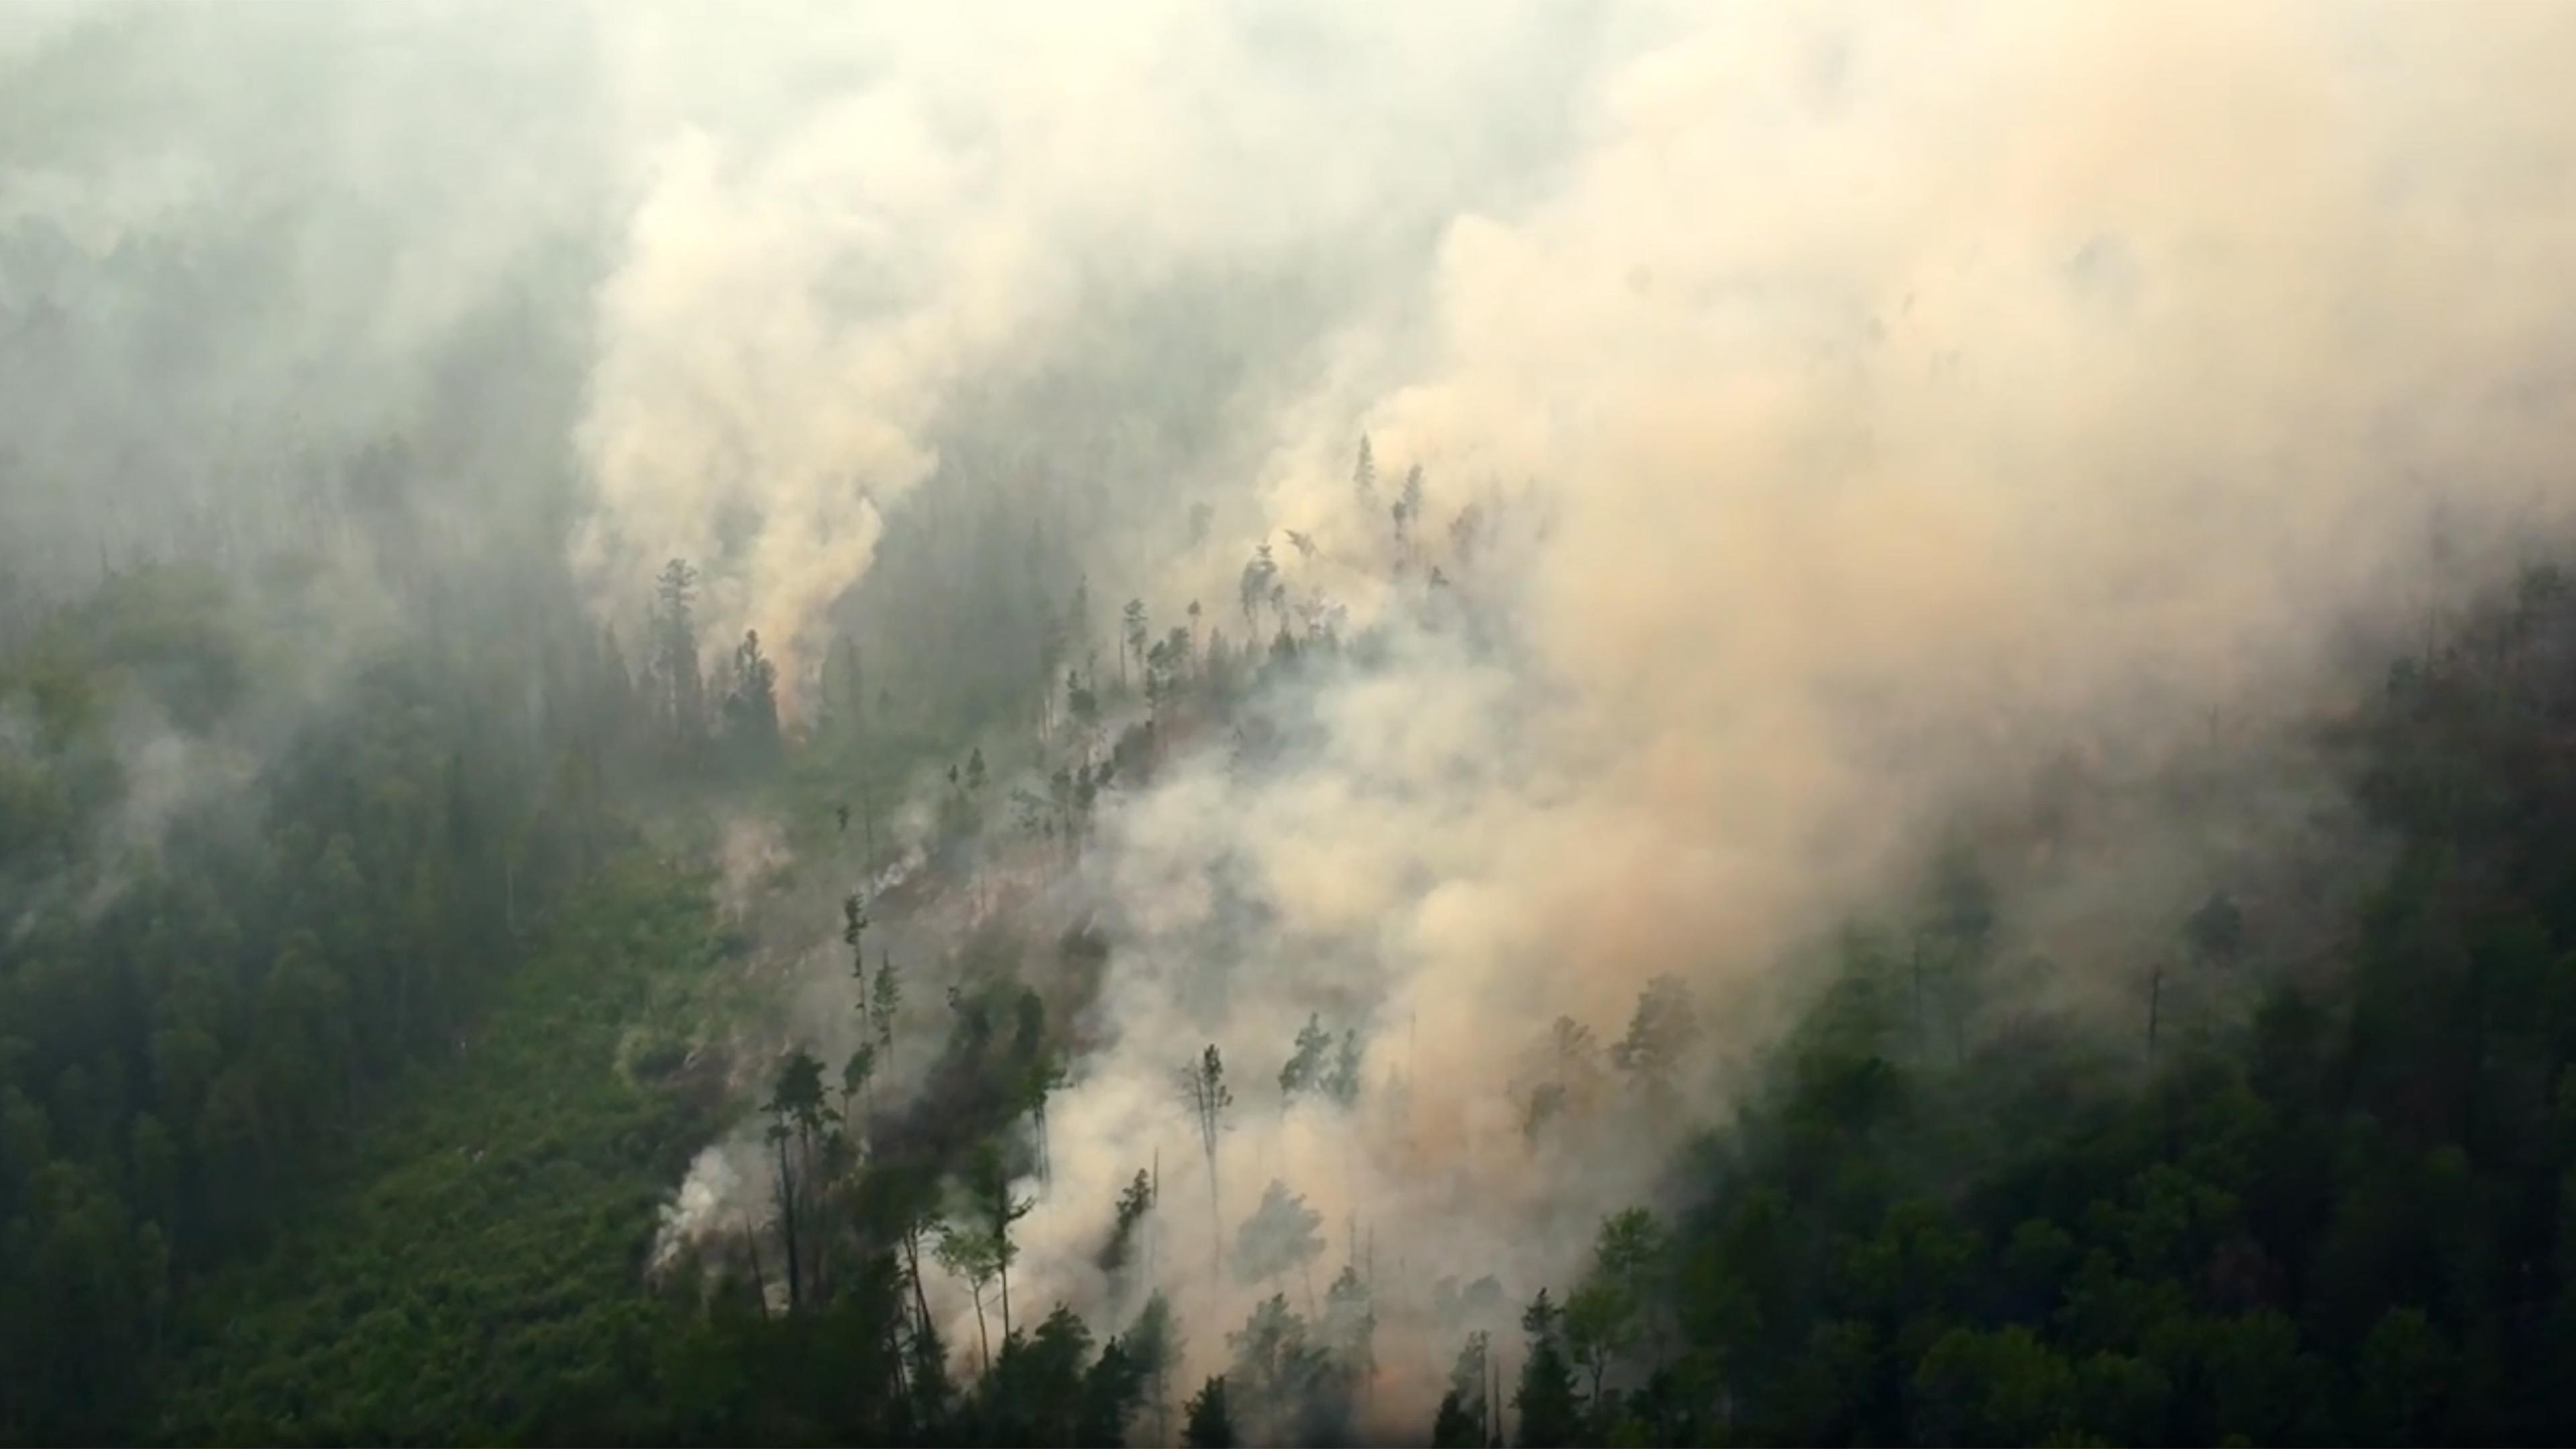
1828	418
1892	399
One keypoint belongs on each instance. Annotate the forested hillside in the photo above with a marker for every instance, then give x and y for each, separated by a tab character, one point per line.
1483	722
239	916
352	1122
2341	1216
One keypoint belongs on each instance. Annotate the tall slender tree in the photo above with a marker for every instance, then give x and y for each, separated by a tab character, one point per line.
678	687
1204	1091
796	1111
1135	636
885	998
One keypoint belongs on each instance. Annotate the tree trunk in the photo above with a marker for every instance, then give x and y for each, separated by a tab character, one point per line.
1003	1265
759	1285
894	1352
982	1335
912	1258
787	1225
1216	1222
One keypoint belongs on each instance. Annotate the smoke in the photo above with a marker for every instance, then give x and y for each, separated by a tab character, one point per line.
239	248
844	221
1858	408
1896	397
1827	414
698	1211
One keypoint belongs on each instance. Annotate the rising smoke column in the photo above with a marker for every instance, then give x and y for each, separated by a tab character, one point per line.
840	220
1906	393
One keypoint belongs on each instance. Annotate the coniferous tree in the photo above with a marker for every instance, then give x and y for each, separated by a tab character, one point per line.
1154	1341
678	685
1260	577
885	998
1659	1033
972	1254
1204	1090
1211	1423
1280	1235
796	1112
751	709
1465	1419
997	1209
1134	635
1134	1201
1305	1068
1342	1083
1551	1409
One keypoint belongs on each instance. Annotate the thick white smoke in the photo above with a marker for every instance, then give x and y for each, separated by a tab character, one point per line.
1906	393
843	218
1859	403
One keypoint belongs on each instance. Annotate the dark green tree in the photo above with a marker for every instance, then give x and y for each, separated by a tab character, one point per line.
1551	1409
1210	1424
1134	633
1660	1033
1305	1067
797	1112
751	708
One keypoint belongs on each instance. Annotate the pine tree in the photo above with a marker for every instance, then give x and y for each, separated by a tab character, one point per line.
1342	1084
1210	1425
1304	1070
1551	1409
795	1108
1135	636
1134	1201
1203	1088
751	709
884	998
678	688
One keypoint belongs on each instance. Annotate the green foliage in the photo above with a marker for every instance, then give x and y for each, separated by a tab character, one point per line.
1550	1406
2340	1215
469	1271
1284	1385
1304	1069
1211	1421
1465	1417
1279	1237
1658	1035
1134	1201
241	906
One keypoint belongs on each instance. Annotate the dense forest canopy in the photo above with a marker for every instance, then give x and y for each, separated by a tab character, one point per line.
1288	723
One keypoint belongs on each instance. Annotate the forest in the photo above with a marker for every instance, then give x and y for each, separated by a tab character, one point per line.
896	745
2293	1201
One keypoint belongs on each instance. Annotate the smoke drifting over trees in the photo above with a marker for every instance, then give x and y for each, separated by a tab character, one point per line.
1186	722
